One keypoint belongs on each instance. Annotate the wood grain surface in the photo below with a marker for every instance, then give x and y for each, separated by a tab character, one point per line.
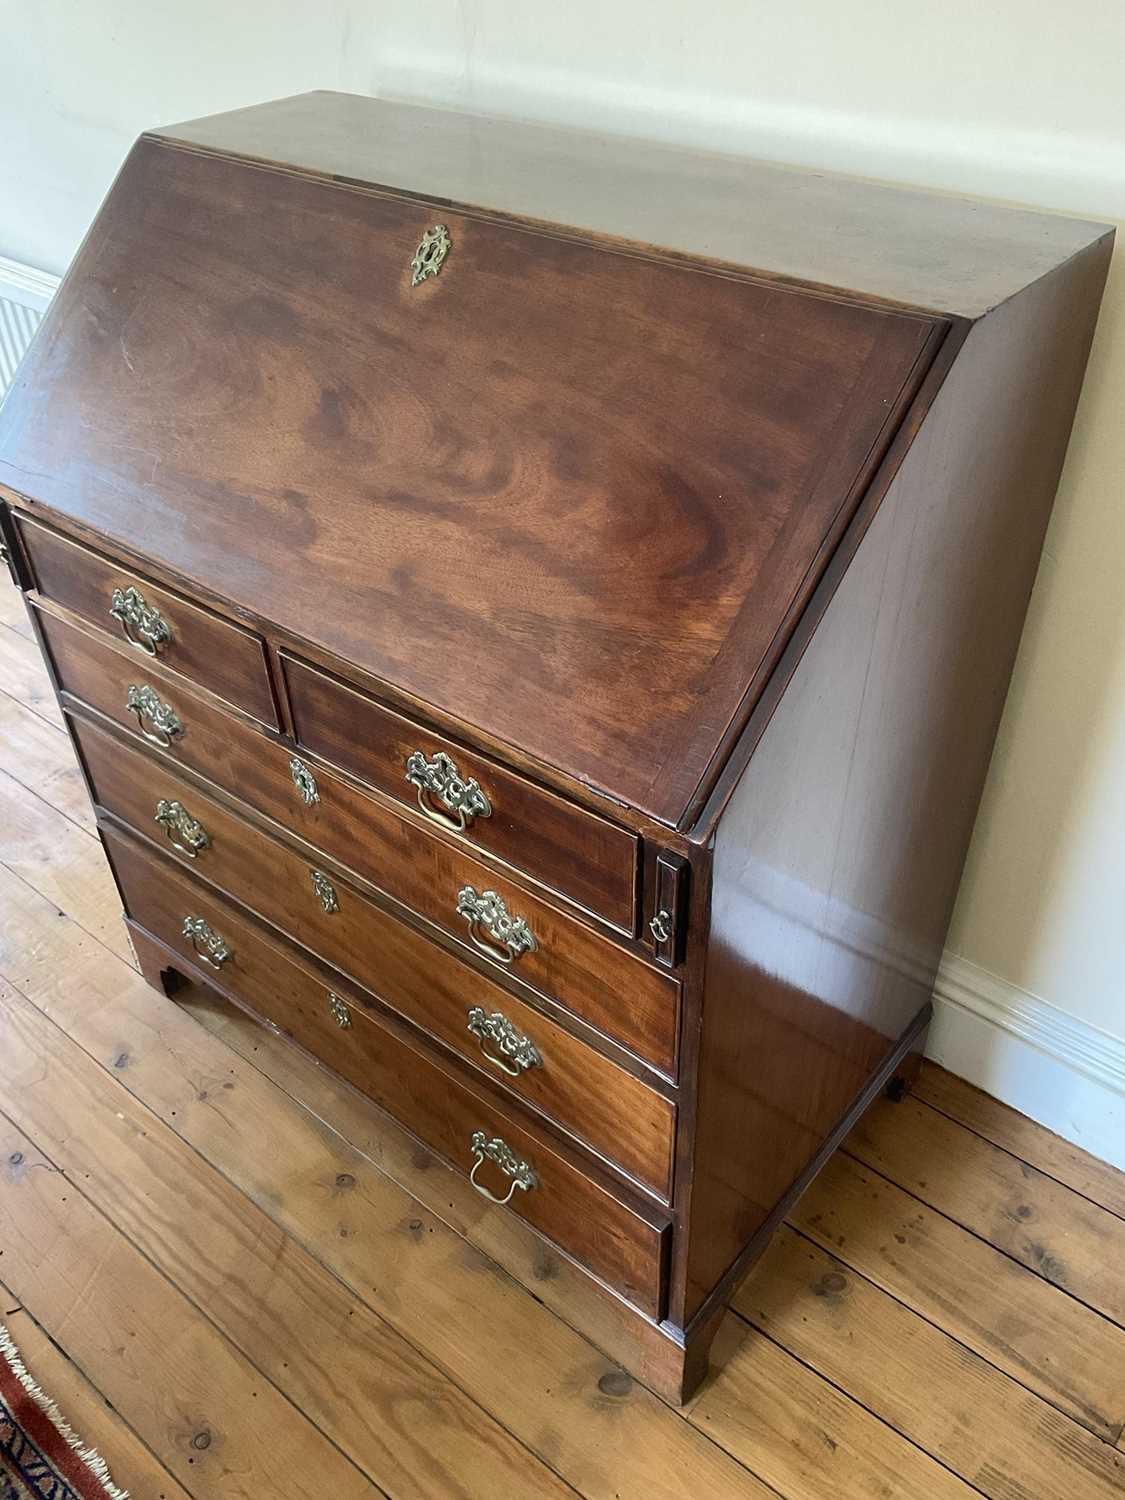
626	1122
202	646
605	985
621	1242
586	858
566	494
879	1348
582	857
929	249
737	568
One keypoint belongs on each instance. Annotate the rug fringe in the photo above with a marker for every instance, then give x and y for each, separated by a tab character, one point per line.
89	1456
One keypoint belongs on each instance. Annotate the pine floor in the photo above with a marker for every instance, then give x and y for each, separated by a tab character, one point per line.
240	1281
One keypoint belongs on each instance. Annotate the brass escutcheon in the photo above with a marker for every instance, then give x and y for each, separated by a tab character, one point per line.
304	781
340	1013
325	891
430	255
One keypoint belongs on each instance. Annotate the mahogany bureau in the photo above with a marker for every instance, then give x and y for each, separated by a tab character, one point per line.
534	611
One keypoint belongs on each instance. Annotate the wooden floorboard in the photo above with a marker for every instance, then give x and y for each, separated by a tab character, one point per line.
38	755
804	1436
62	862
940	1318
22	675
736	1403
970	1416
1040	1148
1003	1311
13	612
529	1370
128	1327
399	1420
1040	1222
90	1415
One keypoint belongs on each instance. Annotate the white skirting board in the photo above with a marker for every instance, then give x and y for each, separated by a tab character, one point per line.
1058	1070
1047	1064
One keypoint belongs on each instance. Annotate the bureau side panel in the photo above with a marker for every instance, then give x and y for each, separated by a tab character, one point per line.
838	857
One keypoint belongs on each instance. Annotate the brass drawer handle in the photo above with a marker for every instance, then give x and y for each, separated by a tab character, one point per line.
463	800
510	936
210	947
498	1151
340	1012
325	891
661	926
144	626
514	1053
304	781
185	833
144	701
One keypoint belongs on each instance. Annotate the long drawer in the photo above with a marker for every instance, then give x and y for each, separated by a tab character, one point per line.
225	658
620	1241
606	985
599	1103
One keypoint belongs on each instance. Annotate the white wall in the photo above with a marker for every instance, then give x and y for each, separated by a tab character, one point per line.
1017	99
1020	101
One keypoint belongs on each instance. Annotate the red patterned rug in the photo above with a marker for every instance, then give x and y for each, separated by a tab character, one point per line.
40	1457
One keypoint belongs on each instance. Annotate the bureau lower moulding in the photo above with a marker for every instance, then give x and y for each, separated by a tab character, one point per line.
484	568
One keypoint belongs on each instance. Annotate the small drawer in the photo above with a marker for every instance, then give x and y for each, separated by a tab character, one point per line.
225	658
614	990
505	1157
582	856
142	696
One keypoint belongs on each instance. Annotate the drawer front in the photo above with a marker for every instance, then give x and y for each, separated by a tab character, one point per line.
620	994
224	657
613	1112
587	859
620	1243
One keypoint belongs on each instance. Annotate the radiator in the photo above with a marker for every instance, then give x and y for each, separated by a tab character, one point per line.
24	295
17	325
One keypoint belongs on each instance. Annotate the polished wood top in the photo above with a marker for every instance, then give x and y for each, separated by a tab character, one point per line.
930	250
